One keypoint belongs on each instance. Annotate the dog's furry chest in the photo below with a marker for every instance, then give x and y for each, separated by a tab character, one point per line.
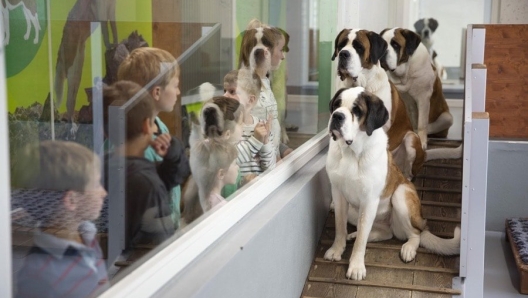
357	176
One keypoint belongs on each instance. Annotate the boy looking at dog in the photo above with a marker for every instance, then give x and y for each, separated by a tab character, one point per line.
148	203
160	69
66	259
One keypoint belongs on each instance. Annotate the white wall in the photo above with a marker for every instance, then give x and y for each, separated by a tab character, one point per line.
452	17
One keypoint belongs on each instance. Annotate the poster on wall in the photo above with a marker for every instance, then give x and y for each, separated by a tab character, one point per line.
49	62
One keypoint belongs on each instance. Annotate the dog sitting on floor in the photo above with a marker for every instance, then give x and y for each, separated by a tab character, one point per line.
426	27
368	189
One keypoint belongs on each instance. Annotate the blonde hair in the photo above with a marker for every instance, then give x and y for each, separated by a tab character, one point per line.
118	94
249	82
55	165
46	171
207	157
144	65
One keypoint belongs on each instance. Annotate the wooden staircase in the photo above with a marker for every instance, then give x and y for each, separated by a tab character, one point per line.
439	185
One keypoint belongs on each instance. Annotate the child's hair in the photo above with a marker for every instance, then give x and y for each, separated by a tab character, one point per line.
207	157
220	114
143	108
249	82
47	170
286	39
145	64
230	78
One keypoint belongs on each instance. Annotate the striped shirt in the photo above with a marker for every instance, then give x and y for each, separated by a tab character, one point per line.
267	106
253	156
57	267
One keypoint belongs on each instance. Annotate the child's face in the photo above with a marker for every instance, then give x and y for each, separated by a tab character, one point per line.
232	173
277	54
169	95
243	98
91	200
236	136
231	91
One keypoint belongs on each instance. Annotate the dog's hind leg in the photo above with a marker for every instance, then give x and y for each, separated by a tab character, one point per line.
441	125
341	209
74	75
407	220
380	231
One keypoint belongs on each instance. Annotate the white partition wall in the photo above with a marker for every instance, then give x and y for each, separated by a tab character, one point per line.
475	168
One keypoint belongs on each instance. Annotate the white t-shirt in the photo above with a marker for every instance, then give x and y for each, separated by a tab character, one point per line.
265	106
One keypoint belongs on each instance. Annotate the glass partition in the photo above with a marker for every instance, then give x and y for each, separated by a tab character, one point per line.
105	173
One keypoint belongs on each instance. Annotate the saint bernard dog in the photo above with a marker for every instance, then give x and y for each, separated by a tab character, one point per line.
410	68
367	187
358	53
425	27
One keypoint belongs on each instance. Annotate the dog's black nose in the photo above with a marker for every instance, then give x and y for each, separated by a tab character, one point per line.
344	54
426	33
348	143
338	116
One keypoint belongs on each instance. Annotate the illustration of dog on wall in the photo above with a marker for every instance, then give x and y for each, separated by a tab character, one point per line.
70	58
29	8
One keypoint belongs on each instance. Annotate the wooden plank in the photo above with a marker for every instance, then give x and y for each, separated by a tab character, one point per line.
507	80
441	204
442	165
402	266
436	177
388	285
442	219
382	292
434	189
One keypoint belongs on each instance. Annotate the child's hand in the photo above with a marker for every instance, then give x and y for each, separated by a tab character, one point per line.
161	144
269	126
261	132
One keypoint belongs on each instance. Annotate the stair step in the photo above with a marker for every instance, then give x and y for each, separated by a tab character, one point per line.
401	267
433	189
385	285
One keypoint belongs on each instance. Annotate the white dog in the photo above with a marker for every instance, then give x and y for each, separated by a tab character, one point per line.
368	186
29	8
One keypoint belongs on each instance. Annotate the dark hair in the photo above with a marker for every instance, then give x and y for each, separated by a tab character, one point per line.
117	95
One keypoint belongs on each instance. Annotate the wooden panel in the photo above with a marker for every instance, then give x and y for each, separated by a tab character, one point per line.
507	80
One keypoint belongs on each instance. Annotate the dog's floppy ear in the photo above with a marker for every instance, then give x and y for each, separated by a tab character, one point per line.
335	103
377	114
433	24
336	43
419	25
378	46
412	41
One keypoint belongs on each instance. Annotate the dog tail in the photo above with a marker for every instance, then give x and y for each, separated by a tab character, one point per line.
439	245
443	153
206	91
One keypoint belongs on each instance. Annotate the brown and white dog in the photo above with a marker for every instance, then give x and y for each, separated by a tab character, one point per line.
70	58
410	68
368	188
358	53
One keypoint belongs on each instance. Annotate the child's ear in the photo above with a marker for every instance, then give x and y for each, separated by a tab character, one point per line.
70	201
145	127
220	174
156	93
226	134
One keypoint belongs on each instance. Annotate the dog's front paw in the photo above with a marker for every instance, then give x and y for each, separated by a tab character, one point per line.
356	271
334	253
408	252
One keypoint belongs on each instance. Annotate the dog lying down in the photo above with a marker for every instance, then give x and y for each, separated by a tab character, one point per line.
368	189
